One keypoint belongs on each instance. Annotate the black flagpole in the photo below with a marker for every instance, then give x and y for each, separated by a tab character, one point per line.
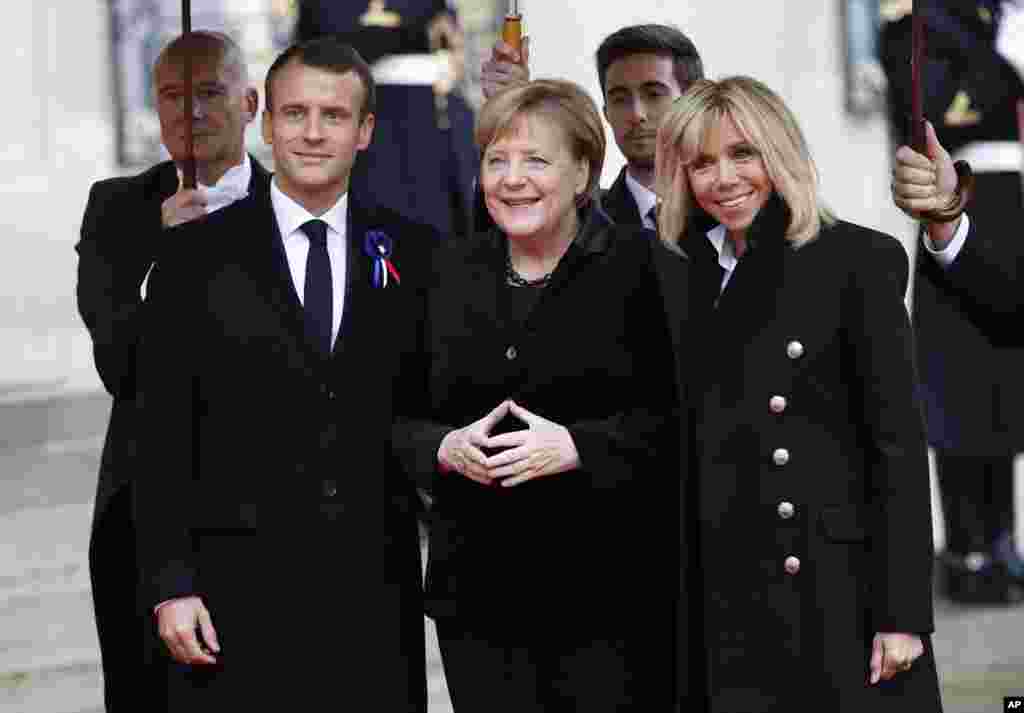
189	170
917	134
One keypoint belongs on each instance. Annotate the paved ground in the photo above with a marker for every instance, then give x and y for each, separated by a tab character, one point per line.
49	455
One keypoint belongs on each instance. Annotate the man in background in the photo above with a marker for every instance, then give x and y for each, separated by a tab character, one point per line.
122	236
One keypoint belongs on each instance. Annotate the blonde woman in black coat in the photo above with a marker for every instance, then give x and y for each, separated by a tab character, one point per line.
814	511
545	432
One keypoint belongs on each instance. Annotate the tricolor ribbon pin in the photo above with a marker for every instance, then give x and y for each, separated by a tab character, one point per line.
377	247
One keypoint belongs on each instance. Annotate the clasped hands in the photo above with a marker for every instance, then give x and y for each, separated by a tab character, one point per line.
540	449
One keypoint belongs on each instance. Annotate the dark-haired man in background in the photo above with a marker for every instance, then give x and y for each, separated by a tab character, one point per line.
277	539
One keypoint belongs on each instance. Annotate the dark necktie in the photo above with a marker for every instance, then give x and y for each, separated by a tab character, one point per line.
652	215
318	300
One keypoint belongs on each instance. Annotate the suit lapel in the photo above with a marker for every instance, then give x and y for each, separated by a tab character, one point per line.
619	203
259	182
270	265
357	273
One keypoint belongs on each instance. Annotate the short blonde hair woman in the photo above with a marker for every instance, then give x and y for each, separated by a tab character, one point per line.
547	405
766	122
814	524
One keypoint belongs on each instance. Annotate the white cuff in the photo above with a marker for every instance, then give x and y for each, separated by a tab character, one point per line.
946	256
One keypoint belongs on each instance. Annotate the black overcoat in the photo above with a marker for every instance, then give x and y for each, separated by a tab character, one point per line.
815	525
121	237
266	483
591	551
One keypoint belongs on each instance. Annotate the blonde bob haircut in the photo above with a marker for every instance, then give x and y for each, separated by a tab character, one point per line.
764	120
565	104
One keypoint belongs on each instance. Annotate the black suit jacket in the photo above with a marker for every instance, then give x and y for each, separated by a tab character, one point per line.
618	202
265	468
121	237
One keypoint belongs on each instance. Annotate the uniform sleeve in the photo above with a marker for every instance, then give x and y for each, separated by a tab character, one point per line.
899	500
988	274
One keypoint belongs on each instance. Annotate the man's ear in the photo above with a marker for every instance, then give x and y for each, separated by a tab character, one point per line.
266	126
252	104
366	131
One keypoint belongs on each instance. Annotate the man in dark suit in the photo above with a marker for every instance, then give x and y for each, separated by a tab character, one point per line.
975	425
122	235
642	70
277	539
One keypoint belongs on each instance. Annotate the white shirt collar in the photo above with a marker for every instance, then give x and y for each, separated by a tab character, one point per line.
724	248
645	198
232	186
291	216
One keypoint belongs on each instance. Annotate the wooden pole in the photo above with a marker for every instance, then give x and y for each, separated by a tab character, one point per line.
189	169
917	135
512	29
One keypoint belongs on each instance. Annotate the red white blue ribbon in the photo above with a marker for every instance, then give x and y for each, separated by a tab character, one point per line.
377	247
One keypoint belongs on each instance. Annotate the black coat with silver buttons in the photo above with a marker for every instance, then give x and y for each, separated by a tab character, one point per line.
814	508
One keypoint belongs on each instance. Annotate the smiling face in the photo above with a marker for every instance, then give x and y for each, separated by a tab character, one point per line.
639	89
728	178
315	129
531	179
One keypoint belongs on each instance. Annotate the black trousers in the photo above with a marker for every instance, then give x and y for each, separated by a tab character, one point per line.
134	669
502	671
977	499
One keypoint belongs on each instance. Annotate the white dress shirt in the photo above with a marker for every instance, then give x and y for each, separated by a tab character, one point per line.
946	256
290	218
645	199
232	186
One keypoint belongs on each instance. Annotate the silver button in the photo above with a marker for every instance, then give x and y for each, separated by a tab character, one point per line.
777	404
330	488
794	350
780	456
786	510
792	565
511	353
